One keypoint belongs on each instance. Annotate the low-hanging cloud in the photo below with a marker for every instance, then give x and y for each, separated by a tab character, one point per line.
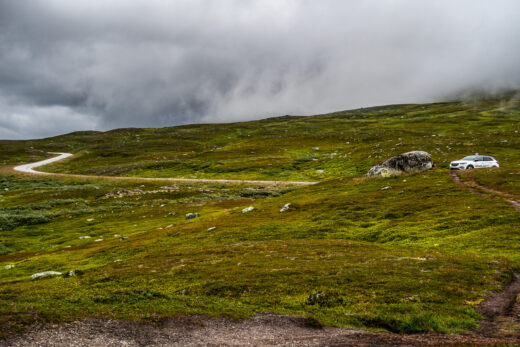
78	65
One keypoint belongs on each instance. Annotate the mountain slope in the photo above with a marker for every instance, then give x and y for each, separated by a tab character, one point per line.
416	256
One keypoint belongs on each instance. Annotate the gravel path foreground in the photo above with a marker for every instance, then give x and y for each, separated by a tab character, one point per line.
261	330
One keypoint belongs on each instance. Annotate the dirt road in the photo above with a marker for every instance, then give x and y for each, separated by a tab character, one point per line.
29	168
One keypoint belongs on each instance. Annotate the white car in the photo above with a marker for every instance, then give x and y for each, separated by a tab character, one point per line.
474	162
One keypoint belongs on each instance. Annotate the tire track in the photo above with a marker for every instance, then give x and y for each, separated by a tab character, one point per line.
476	188
498	305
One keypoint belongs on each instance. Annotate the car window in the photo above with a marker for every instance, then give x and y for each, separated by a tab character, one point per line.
470	157
488	159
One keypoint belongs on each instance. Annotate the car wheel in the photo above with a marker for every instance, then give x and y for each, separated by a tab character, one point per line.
469	167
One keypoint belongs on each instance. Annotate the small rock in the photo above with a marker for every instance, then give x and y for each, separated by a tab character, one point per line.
285	207
248	209
84	237
72	273
312	299
315	148
98	240
6	189
90	219
191	215
45	274
385	188
410	298
211	229
10	266
171	214
116	235
320	171
117	260
124	238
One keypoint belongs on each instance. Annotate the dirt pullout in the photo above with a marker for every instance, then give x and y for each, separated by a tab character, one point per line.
261	330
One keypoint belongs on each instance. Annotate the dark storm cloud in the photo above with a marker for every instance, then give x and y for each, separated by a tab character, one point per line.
75	65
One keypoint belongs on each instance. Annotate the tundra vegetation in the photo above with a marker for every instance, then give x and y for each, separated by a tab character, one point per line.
410	253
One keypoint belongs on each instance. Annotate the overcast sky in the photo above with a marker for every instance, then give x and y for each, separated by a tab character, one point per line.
79	65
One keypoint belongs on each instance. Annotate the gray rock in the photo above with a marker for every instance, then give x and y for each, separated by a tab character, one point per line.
45	274
191	215
313	298
212	228
9	266
248	209
406	162
285	207
124	238
71	273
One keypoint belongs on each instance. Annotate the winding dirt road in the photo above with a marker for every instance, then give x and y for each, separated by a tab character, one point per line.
29	168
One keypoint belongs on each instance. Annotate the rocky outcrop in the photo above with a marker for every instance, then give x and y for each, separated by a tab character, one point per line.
406	162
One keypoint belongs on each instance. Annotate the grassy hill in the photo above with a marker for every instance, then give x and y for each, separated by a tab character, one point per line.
416	256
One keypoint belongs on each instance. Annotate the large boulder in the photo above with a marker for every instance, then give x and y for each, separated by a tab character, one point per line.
406	162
